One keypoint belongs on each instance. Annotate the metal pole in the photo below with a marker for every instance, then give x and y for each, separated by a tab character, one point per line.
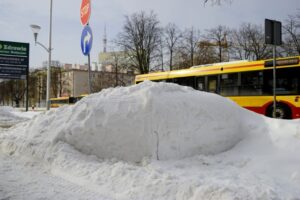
49	60
89	74
274	81
27	85
116	75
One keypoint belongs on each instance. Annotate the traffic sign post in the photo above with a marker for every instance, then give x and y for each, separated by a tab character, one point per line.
85	12
273	35
86	46
14	62
86	35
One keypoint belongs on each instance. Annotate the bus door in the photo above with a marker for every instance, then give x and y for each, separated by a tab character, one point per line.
213	84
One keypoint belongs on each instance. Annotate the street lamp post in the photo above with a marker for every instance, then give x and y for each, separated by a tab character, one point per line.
36	29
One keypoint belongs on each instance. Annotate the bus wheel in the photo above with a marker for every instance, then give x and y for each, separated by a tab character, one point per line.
282	111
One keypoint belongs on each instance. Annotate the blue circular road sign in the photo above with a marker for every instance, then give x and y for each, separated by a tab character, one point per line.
86	40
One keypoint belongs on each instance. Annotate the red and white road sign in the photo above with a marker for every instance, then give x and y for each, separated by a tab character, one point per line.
85	12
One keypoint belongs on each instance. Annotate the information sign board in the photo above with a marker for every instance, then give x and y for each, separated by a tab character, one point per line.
14	60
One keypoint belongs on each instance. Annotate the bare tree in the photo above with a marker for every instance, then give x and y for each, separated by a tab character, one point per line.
249	42
2	96
17	89
159	61
56	81
117	67
37	86
291	30
189	47
218	38
32	85
5	91
257	39
161	53
120	64
140	39
172	37
206	53
241	45
41	86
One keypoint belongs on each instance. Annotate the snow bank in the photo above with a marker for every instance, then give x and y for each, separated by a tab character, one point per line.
145	120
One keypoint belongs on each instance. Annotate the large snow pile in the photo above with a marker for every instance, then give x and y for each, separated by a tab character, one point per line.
187	144
146	120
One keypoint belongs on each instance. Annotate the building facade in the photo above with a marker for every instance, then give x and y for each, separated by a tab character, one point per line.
54	63
75	81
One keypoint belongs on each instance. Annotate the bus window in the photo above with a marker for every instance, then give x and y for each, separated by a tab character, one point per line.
200	83
72	100
252	83
288	81
213	84
229	85
268	82
186	81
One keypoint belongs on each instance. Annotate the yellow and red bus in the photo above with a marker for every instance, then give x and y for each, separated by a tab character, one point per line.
61	101
248	83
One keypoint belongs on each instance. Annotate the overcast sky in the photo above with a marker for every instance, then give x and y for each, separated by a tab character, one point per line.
17	15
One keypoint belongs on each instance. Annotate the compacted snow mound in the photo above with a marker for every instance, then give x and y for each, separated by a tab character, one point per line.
145	120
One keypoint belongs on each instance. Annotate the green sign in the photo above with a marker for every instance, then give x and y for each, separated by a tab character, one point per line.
14	48
14	60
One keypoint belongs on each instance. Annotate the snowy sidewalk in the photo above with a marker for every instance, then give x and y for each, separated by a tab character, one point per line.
21	180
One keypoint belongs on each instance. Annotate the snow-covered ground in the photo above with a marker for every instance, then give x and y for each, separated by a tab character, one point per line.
10	116
28	179
151	141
